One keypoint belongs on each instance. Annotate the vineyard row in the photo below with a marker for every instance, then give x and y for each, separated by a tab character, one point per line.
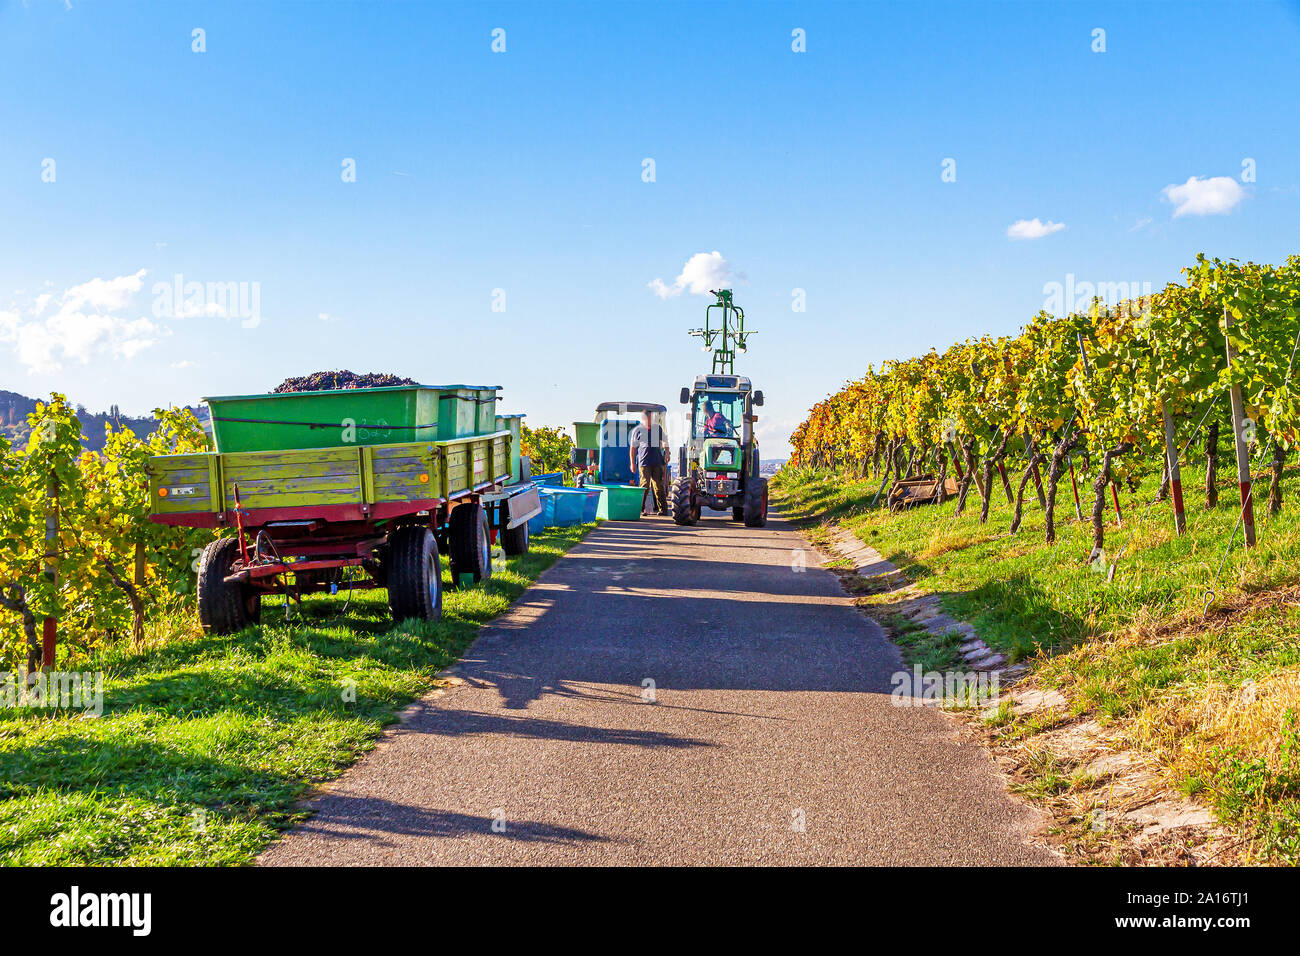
1125	389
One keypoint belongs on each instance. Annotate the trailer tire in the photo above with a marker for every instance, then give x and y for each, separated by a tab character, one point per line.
755	504
470	543
514	541
224	608
414	574
679	502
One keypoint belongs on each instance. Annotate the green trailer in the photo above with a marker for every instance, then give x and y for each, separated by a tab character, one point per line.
347	489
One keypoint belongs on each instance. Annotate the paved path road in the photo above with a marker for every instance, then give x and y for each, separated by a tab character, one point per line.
773	738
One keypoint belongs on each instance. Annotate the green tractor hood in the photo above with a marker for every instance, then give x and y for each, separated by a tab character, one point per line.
721	454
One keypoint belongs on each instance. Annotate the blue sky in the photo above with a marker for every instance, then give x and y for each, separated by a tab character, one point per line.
522	171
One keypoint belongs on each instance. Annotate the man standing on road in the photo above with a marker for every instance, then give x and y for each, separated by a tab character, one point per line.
648	454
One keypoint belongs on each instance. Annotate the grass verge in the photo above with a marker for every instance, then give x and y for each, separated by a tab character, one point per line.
1209	699
206	744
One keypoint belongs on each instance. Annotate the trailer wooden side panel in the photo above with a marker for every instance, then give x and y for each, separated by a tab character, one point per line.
355	476
404	472
185	483
287	479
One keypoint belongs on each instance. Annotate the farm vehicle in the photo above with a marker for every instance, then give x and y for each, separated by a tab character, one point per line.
348	489
718	465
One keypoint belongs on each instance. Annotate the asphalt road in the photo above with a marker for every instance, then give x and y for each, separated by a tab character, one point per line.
767	736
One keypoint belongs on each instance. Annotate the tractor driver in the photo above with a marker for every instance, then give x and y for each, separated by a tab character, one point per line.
715	423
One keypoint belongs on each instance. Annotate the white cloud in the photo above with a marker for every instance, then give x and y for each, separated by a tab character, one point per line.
326	317
184	363
106	295
85	323
1215	196
1140	224
702	272
1033	228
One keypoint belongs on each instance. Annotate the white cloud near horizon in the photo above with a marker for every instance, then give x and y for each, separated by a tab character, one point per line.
85	321
1033	228
1212	196
702	272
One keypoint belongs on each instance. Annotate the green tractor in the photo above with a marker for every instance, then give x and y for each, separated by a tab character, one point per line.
718	466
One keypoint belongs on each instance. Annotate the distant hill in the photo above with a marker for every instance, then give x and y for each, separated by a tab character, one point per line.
15	408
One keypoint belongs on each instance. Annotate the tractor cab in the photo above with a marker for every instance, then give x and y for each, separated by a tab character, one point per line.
721	423
719	460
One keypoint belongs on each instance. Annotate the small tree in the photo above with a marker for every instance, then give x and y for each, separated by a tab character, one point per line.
549	448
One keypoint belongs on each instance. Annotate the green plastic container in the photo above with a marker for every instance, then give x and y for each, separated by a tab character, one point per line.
513	424
465	410
587	434
325	419
619	502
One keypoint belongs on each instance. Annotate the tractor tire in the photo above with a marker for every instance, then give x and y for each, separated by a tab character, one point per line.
414	574
470	544
224	608
514	541
679	502
755	506
738	513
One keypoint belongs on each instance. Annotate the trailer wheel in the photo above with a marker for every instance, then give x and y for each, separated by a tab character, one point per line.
755	505
679	502
224	608
514	541
414	574
471	545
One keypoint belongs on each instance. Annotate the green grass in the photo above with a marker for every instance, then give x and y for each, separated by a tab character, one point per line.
1212	697
207	745
1024	595
933	652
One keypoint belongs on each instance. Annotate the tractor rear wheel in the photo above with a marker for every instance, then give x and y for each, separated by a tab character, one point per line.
225	608
471	544
755	505
679	502
414	574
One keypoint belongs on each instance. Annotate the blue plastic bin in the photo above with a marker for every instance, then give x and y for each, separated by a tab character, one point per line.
569	505
546	517
591	505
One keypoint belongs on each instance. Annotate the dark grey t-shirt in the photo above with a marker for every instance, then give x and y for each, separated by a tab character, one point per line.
648	443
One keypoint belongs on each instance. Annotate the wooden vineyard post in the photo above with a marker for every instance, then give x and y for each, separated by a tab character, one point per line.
1038	478
1078	510
1114	495
1006	483
1175	472
50	626
1239	439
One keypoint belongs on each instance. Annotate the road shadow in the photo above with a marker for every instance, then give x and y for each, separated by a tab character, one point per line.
376	820
428	718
